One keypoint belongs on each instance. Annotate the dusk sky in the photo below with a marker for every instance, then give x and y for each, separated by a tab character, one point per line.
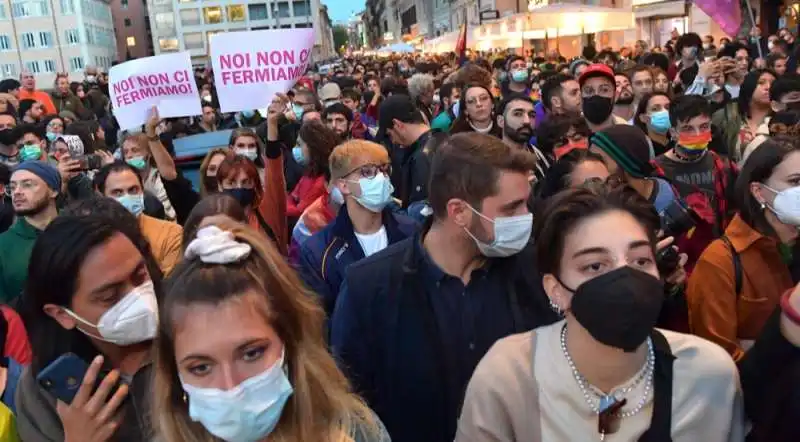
343	9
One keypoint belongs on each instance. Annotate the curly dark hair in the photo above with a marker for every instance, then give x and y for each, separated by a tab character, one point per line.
320	141
568	208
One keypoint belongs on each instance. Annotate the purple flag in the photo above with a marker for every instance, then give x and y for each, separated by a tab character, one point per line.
727	14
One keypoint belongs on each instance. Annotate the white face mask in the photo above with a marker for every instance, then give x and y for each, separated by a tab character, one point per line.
511	234
132	320
250	154
786	205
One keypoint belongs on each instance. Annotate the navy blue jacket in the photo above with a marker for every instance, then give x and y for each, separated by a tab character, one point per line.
326	255
389	340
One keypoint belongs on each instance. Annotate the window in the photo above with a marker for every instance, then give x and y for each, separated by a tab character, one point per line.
168	44
213	14
45	39
33	66
5	43
300	8
73	36
124	4
3	14
235	13
49	66
283	10
127	23
67	7
28	40
193	40
190	17
165	21
26	8
76	63
9	70
303	25
130	41
258	12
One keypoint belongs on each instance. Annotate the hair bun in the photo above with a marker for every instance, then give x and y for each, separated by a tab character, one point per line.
216	246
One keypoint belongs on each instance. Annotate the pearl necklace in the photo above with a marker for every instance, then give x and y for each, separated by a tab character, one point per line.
605	400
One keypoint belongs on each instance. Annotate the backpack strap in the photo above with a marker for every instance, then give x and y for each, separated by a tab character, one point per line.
265	227
737	264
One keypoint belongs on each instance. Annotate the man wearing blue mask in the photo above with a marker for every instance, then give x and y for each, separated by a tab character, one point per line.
518	77
412	321
122	182
365	224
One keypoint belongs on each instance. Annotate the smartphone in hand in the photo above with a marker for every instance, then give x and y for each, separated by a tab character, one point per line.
64	376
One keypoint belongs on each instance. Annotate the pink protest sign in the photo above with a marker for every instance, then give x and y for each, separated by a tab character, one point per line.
251	67
165	81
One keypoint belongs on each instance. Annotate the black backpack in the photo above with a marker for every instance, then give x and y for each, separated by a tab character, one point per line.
737	265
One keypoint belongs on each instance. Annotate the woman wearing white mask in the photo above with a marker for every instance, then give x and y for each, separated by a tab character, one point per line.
91	292
269	376
738	281
604	373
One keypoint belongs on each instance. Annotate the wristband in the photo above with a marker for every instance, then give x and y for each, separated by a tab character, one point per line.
787	308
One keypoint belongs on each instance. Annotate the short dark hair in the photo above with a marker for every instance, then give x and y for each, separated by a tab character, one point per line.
757	169
467	166
509	98
558	175
656	59
688	40
784	84
686	107
446	91
773	58
25	106
101	176
338	108
551	130
553	87
639	68
28	128
352	94
731	49
565	210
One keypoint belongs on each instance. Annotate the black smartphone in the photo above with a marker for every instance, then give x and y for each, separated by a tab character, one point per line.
64	376
90	162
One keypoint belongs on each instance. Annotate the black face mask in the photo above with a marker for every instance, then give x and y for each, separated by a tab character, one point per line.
210	183
619	308
244	196
794	106
597	109
7	137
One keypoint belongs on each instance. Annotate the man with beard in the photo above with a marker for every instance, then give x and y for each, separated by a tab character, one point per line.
516	116
623	105
338	118
34	187
598	88
641	78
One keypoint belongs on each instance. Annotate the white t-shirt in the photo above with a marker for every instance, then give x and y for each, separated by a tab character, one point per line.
373	242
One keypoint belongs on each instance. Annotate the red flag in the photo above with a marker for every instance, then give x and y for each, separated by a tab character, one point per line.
461	45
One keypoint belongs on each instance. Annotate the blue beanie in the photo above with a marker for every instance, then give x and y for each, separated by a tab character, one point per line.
43	170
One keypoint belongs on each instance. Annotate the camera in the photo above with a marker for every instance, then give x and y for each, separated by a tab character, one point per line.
90	162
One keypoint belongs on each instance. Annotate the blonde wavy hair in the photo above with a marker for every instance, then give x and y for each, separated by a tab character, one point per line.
323	407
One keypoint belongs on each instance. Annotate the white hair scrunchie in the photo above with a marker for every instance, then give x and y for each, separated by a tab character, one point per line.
216	246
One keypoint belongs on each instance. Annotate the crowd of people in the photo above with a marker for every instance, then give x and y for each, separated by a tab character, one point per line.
420	248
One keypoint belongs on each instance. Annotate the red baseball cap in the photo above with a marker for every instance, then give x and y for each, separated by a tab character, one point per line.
597	70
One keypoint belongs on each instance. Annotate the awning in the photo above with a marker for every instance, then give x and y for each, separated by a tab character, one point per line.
576	19
660	9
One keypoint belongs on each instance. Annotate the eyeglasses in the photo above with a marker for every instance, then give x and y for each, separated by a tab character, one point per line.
23	185
566	139
371	170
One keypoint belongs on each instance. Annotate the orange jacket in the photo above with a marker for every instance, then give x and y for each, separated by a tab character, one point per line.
40	96
716	311
272	206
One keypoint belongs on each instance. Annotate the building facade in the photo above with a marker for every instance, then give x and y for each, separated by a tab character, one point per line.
187	25
51	36
132	28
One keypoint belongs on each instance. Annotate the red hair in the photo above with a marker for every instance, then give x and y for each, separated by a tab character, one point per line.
233	165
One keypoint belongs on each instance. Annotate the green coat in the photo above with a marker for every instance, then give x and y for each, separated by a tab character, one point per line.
16	246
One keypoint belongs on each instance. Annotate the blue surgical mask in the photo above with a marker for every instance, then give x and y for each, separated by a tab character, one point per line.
299	158
376	192
243	195
247	412
659	121
30	152
336	196
134	203
520	75
51	136
298	111
138	162
248	113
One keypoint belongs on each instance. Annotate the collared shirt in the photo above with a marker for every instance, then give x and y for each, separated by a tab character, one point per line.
469	318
